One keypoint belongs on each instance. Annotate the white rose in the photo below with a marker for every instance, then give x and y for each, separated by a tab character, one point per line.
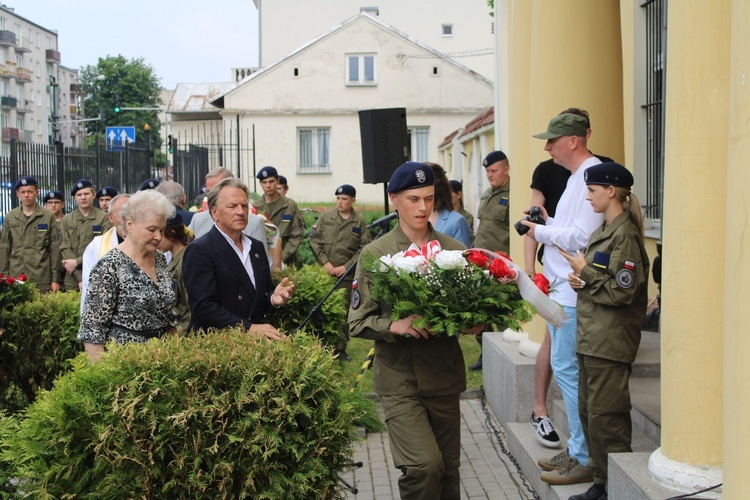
404	264
450	259
386	262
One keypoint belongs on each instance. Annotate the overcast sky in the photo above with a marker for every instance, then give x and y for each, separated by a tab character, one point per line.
185	41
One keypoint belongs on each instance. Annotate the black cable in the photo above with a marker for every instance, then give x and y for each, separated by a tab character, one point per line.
499	436
688	495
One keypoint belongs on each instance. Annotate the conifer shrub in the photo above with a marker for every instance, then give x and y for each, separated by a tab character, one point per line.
221	415
313	283
37	343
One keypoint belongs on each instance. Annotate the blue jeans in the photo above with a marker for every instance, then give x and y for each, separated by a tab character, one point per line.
565	368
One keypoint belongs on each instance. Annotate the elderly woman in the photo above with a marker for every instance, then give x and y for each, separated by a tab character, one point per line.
176	238
130	294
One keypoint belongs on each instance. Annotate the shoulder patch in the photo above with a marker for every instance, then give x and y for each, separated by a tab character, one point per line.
286	217
313	230
42	228
503	200
357	230
625	278
356	299
97	230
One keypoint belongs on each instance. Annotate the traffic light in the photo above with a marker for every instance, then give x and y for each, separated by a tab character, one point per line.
117	103
169	144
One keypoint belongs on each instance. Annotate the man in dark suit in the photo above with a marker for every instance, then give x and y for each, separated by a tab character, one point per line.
226	272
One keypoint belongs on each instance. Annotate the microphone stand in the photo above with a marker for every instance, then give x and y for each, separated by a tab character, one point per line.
382	224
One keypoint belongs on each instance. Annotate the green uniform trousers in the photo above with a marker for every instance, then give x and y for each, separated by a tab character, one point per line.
604	409
425	437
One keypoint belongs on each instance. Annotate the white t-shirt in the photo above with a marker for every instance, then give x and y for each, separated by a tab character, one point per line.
571	228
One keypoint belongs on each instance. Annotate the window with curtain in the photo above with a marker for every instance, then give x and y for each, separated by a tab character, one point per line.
419	144
313	146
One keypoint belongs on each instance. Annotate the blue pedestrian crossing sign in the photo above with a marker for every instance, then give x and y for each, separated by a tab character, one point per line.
118	137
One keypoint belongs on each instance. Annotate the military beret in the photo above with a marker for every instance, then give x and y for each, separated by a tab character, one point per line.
347	189
176	220
149	184
608	174
282	180
266	172
25	181
54	195
106	191
456	186
411	175
80	184
493	158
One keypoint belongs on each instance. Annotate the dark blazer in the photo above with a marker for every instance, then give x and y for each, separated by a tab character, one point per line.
219	290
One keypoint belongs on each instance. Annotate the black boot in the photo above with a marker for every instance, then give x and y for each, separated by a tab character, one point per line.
596	492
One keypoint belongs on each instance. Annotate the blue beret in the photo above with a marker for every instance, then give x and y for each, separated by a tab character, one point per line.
282	180
25	181
456	186
149	184
107	191
54	195
80	184
493	158
608	174
176	220
346	189
411	175
266	172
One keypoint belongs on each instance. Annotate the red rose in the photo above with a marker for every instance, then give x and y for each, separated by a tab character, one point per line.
477	258
9	280
541	282
500	269
505	255
22	277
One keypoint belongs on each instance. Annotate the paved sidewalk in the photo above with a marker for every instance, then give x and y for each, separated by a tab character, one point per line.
486	472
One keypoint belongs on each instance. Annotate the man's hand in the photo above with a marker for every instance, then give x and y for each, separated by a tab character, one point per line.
283	293
70	265
531	226
54	287
404	327
339	271
267	331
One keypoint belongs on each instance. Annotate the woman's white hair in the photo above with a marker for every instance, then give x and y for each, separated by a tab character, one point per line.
147	202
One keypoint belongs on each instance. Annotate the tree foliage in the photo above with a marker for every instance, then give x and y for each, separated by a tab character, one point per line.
137	86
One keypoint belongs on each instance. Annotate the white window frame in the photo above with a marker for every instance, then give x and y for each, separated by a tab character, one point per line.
361	79
314	150
419	144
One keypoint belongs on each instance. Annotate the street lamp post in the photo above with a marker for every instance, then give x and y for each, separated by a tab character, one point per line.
147	129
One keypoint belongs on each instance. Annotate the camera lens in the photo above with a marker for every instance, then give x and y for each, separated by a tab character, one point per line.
520	228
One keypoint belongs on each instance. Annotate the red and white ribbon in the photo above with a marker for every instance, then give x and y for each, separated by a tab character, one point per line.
429	250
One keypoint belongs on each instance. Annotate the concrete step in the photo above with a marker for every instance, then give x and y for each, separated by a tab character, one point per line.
526	449
629	478
648	360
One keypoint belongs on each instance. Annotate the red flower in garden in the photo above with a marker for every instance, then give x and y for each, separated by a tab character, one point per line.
500	269
10	280
22	277
477	258
505	255
541	282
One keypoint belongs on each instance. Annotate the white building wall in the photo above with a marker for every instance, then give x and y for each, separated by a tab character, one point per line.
286	26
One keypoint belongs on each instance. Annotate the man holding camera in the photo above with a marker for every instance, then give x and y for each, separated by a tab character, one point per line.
570	230
494	222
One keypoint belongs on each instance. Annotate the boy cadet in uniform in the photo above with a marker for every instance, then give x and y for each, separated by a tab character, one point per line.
104	196
494	207
54	201
418	376
79	227
283	213
29	243
283	186
336	241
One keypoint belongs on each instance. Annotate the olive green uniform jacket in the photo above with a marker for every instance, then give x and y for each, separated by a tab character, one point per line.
285	214
612	305
181	305
30	246
337	240
494	223
77	233
424	367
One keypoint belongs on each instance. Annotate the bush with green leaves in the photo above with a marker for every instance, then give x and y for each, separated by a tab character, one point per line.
221	415
37	343
313	283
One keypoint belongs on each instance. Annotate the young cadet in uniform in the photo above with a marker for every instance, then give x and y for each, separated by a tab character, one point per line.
283	186
29	244
336	241
79	227
611	281
104	197
494	207
283	213
54	201
418	376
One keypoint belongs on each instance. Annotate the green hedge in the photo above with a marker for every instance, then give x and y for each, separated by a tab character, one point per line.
225	415
38	340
